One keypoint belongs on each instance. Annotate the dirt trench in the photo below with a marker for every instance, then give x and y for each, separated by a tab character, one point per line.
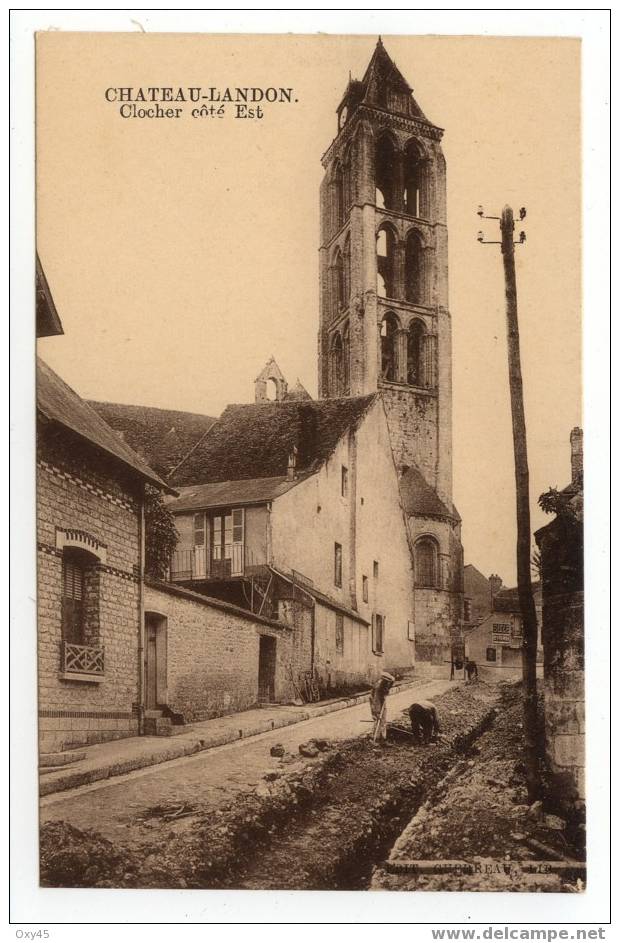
324	827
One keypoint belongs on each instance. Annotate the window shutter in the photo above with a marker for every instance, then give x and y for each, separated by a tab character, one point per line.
238	521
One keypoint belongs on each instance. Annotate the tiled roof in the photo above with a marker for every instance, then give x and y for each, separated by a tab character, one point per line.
255	441
507	600
59	403
226	493
163	437
48	319
420	499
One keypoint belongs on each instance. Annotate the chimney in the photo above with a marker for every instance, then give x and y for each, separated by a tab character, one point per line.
495	583
292	464
576	456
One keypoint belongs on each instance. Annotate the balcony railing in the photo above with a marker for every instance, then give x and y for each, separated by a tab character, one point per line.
82	659
194	563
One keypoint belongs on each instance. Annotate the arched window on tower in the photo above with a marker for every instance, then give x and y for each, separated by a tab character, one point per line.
346	257
426	563
385	172
415	196
389	348
346	357
415	354
339	299
415	288
347	180
386	250
338	196
337	378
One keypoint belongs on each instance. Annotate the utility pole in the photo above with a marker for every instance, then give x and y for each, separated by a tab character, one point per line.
522	481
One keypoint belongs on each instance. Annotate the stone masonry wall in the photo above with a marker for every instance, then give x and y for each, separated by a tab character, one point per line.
212	653
79	489
565	695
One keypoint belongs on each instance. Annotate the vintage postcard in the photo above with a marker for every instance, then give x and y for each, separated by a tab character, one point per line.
310	463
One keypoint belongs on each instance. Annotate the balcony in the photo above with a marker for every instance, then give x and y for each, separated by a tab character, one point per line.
81	662
224	562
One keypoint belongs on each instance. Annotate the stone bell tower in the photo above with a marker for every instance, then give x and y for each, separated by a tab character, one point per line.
384	321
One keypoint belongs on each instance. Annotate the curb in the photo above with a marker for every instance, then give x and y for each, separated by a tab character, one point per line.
71	780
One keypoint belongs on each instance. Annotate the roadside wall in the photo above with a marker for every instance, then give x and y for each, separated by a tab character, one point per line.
211	653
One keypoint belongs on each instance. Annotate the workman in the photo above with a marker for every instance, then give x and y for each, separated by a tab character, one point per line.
424	721
471	670
378	707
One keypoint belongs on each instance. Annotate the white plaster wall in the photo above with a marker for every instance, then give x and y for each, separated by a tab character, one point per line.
308	520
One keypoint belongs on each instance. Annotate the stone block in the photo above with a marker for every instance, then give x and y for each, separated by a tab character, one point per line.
569	750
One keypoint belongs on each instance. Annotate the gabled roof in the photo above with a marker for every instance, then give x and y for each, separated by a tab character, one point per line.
297	392
255	441
420	499
226	493
48	319
507	600
60	404
163	437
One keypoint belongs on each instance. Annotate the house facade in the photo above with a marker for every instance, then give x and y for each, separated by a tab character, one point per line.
322	546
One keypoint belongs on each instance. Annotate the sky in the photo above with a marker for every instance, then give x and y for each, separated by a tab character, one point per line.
182	254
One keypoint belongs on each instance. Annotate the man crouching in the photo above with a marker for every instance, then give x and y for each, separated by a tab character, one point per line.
424	721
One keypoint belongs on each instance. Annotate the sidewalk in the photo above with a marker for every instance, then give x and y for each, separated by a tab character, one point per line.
115	757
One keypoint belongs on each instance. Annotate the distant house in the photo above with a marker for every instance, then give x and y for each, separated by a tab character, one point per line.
493	625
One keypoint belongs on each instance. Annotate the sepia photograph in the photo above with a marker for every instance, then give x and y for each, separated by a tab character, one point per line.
310	463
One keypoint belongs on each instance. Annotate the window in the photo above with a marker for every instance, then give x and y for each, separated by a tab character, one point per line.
385	172
346	357
415	350
416	182
389	347
338	564
336	363
378	632
73	580
339	632
467	610
365	588
344	481
199	530
386	267
491	654
415	287
426	563
375	570
411	630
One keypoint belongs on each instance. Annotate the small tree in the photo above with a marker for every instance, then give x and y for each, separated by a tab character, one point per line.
161	533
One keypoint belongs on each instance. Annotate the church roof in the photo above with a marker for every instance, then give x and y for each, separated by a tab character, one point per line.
48	319
255	441
420	499
163	437
382	70
60	404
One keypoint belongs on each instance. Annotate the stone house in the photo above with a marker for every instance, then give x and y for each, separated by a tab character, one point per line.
561	551
90	542
296	515
495	641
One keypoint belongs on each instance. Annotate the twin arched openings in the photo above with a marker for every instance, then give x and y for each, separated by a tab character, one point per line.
402	178
406	354
402	269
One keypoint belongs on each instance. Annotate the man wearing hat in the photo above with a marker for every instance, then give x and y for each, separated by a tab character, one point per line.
378	706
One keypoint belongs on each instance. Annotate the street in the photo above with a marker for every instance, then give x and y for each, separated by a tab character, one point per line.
118	809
